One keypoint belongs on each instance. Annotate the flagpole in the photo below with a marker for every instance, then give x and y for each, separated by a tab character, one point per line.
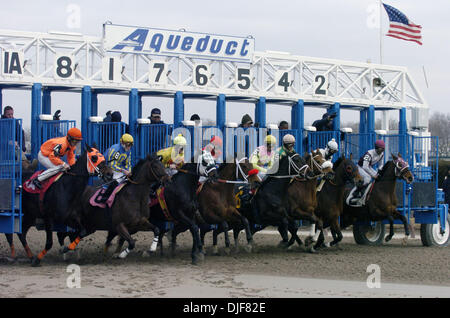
381	34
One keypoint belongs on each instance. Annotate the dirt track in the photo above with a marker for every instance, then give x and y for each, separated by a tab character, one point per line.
235	275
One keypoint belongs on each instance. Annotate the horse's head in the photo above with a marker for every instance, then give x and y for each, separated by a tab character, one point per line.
297	166
348	171
156	170
402	169
96	164
318	164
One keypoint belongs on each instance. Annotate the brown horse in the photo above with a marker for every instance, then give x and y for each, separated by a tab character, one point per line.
129	212
302	195
382	203
217	201
331	198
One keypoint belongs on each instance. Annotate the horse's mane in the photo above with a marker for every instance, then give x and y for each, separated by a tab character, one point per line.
138	166
385	167
338	162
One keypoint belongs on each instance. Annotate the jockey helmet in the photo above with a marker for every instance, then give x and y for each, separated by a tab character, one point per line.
332	145
380	144
270	140
216	141
288	139
127	138
179	140
74	134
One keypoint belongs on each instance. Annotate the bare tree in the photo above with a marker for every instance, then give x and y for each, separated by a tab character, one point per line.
439	125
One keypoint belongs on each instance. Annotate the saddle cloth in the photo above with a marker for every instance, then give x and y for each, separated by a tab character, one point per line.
29	187
162	203
110	200
363	200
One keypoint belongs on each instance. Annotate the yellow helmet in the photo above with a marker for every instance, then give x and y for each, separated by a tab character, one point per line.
270	140
126	138
179	140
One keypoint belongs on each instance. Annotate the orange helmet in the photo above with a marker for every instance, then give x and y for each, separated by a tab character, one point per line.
74	133
216	141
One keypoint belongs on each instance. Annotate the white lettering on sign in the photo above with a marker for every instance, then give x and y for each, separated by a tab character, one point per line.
167	42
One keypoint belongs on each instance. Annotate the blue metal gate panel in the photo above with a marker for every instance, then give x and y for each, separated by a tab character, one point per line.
105	134
319	139
11	175
152	137
49	129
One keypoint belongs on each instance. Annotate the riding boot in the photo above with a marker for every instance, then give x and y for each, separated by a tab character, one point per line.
106	194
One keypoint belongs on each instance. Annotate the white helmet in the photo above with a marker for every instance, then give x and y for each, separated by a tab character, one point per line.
288	139
332	145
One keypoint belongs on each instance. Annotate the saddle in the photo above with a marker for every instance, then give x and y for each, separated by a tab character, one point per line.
364	198
99	194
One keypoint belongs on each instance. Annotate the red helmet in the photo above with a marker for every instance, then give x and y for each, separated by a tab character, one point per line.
216	141
74	133
380	144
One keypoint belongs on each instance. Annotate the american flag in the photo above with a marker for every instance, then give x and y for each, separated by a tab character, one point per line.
401	27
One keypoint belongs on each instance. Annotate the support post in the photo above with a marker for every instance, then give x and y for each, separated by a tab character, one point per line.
298	122
402	131
46	101
221	112
260	112
133	111
36	109
178	110
86	109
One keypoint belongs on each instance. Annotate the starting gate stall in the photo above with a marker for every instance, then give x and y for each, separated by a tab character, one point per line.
141	61
10	176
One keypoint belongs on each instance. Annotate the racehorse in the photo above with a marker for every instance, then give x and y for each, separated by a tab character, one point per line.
382	201
180	198
129	212
217	201
58	199
271	199
331	198
302	195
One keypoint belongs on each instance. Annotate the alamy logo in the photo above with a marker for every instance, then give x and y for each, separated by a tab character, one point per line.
374	279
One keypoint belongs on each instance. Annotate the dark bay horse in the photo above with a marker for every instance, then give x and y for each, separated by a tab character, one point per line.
217	201
331	198
302	195
181	199
129	212
382	202
271	199
60	196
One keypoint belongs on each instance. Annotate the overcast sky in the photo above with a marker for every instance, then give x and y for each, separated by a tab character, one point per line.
338	29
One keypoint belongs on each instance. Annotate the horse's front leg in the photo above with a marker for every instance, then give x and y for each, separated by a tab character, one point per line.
398	215
391	228
336	229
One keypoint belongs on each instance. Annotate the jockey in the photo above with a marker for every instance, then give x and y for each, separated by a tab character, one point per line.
53	150
288	146
263	156
330	150
118	158
173	157
365	167
207	160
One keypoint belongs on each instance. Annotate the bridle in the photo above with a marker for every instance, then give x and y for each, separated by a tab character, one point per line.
400	167
300	171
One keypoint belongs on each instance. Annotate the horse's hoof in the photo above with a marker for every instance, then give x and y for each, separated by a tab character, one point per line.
283	244
247	248
308	241
227	251
201	257
388	238
35	262
405	241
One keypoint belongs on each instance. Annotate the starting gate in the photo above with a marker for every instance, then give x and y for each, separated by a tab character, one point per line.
11	176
